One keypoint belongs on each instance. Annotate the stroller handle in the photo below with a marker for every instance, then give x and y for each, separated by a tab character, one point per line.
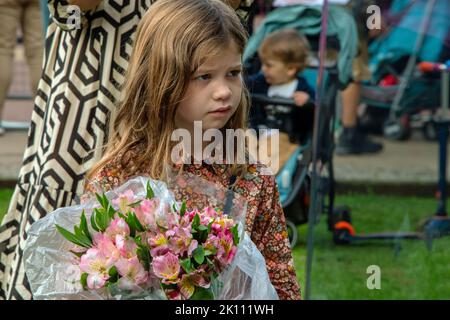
433	67
265	100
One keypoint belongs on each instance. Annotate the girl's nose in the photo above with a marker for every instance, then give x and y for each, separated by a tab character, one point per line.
222	91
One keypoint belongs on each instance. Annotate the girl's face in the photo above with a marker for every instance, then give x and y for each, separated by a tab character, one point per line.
213	93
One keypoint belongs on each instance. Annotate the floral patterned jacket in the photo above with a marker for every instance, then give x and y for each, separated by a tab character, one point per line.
265	221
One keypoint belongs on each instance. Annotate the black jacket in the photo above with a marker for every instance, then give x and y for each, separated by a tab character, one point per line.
257	84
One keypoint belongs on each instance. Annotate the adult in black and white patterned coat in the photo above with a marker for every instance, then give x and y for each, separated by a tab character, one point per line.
84	69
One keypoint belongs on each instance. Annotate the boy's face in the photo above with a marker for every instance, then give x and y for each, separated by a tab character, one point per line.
278	72
214	92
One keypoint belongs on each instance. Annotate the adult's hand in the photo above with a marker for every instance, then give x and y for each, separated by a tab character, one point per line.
85	5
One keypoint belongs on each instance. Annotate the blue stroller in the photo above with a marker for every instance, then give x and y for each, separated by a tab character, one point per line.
294	176
398	91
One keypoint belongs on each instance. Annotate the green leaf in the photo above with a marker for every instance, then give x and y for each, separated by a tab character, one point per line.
196	221
210	225
78	231
144	256
174	208
83	280
98	219
209	262
234	231
133	223
113	275
93	224
199	255
150	193
183	209
135	204
186	265
84	227
82	238
105	202
139	226
202	228
78	254
106	219
111	212
100	199
71	237
106	206
138	240
202	294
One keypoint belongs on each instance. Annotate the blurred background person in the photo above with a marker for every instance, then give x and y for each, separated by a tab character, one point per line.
353	140
26	15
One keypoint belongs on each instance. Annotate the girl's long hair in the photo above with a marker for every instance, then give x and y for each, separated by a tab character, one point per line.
173	39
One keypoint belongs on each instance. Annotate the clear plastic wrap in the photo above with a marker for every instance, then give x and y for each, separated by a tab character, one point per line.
52	273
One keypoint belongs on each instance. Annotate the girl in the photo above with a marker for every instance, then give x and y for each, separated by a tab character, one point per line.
186	67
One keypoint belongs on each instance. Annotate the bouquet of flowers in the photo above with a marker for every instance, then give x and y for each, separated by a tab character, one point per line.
137	242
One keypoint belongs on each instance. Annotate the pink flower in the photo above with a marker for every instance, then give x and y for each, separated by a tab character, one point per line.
173	294
159	244
210	212
231	255
124	200
132	269
127	247
166	219
192	246
106	247
188	282
166	267
191	214
179	239
97	266
225	222
146	212
216	228
117	227
227	249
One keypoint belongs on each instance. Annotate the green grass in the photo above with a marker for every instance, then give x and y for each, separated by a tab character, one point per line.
5	196
408	269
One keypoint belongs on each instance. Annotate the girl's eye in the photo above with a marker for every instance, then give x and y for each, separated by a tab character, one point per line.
235	73
203	77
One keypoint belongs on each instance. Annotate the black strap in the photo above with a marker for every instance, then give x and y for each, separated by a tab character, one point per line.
229	195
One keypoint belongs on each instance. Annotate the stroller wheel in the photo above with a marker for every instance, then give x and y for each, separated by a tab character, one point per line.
292	233
340	213
343	232
430	131
398	129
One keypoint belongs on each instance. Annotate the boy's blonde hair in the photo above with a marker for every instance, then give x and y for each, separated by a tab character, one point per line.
287	46
173	39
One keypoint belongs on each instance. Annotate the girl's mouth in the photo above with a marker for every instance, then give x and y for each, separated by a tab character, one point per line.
221	111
